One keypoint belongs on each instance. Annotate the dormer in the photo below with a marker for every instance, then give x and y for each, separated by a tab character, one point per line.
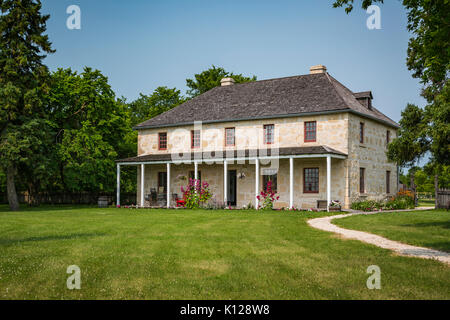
365	98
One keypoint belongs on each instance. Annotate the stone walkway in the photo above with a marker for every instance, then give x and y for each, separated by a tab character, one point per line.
400	248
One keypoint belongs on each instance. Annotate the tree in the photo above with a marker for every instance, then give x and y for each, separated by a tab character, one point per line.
23	81
161	100
210	78
428	57
91	130
411	143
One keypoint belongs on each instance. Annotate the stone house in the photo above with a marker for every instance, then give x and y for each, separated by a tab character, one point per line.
310	135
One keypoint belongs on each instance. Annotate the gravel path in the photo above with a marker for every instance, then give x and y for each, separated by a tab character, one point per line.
400	248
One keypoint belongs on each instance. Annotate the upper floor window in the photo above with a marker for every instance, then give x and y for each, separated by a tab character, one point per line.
162	141
229	137
269	133
388	137
361	132
311	180
362	173
310	131
195	138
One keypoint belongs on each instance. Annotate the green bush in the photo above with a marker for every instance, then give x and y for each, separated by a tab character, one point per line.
366	205
398	203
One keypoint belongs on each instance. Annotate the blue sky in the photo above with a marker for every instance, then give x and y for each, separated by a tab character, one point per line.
143	44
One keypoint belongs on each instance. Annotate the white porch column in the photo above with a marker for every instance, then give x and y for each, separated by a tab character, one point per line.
142	184
168	185
291	183
256	183
328	182
225	182
195	170
118	185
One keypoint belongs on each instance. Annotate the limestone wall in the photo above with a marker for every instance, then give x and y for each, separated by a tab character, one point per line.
339	131
370	155
289	132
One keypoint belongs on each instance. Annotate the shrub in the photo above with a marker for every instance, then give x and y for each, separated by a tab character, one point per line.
366	205
267	197
196	194
214	204
402	200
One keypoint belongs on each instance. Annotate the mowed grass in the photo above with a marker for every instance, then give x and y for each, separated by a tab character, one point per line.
426	203
181	254
420	228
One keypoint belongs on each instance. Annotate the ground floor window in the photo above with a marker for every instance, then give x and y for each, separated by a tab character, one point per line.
388	182
362	173
270	177
311	180
162	182
192	175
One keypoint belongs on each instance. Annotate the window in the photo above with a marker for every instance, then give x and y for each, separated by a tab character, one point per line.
162	182
361	132
268	133
271	177
388	137
311	180
195	138
162	145
229	137
388	182
192	175
362	173
310	131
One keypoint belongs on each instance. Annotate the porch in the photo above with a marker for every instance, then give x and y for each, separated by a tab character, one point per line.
302	176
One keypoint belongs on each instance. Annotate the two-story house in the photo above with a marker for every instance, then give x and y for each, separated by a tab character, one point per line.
309	134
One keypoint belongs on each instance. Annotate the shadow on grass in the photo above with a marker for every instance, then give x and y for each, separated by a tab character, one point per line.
9	242
442	246
48	207
440	224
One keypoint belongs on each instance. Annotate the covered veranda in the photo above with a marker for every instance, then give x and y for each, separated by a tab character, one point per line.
227	158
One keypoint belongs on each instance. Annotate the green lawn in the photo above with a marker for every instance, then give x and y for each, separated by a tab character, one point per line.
181	254
426	203
420	228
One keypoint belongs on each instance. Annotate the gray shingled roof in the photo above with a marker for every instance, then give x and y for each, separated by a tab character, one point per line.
208	155
273	98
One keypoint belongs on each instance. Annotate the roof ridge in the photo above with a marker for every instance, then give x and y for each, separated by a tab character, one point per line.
271	79
336	91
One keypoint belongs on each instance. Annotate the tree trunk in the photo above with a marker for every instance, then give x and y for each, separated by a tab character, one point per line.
413	188
11	187
436	187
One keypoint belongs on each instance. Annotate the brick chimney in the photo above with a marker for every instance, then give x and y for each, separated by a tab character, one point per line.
226	82
317	69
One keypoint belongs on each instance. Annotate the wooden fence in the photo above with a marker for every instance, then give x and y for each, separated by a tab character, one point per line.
87	198
443	199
